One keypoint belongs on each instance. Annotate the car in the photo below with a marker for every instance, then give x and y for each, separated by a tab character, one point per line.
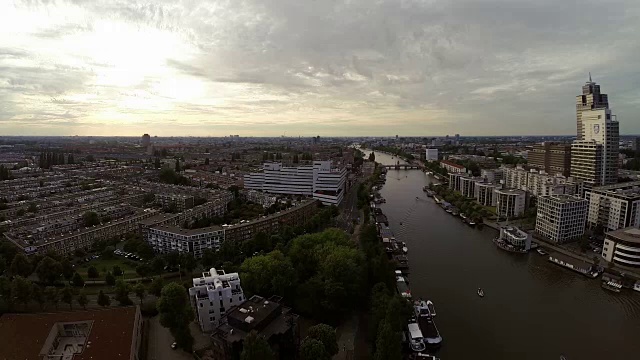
174	345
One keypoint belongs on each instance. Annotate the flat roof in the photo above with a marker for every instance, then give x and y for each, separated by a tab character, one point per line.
630	235
181	231
564	198
22	336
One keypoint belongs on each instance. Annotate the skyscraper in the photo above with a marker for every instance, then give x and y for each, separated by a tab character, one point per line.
590	99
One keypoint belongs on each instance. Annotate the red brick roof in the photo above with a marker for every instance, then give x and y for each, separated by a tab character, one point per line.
23	335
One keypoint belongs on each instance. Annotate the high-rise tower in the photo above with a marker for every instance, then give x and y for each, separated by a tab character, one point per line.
590	99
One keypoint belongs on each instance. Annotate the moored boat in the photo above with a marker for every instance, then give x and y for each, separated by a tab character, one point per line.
416	339
431	307
480	292
541	252
428	326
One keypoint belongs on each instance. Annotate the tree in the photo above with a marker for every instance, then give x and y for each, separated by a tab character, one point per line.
158	264
52	295
21	289
37	294
33	208
188	262
156	163
206	161
90	158
143	270
103	300
20	266
177	165
82	299
313	349
140	290
325	334
67	295
92	272
122	293
256	348
209	258
77	280
271	274
175	314
117	271
110	279
67	269
49	270
90	218
388	344
156	285
296	159
145	250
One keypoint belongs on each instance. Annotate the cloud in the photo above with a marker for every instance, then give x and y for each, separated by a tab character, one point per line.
427	67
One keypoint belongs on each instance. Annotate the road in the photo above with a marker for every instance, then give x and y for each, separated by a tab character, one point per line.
349	208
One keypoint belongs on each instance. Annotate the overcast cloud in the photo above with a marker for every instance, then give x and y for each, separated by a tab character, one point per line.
307	67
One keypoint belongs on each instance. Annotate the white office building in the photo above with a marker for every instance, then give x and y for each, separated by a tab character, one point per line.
622	247
539	183
431	154
213	294
615	206
169	238
510	203
319	180
561	218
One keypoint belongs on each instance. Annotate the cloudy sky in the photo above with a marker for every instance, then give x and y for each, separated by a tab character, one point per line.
307	67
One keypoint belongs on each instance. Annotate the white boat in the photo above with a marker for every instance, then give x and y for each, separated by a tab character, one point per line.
431	307
541	252
480	292
416	341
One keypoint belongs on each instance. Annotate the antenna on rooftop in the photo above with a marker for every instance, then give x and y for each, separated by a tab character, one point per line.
590	76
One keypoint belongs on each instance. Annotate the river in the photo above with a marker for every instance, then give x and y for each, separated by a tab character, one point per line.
532	309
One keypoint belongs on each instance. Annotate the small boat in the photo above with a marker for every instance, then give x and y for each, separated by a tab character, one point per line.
431	307
417	198
400	222
472	223
541	252
405	249
416	340
480	292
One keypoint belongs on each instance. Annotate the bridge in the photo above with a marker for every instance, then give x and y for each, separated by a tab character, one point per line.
403	166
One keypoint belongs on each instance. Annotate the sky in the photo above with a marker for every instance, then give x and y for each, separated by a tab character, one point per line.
313	67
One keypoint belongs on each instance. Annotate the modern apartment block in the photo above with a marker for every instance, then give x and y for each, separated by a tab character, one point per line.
181	202
319	180
590	99
552	158
614	206
510	203
260	198
431	154
169	238
492	175
485	193
213	294
468	185
561	218
538	183
455	180
622	247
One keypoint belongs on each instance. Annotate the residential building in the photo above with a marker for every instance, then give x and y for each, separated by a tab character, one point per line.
261	198
552	158
510	203
515	178
492	175
213	294
468	185
561	218
105	334
455	180
431	154
614	207
146	140
590	99
270	319
586	162
485	193
180	202
319	180
170	238
452	167
622	247
538	183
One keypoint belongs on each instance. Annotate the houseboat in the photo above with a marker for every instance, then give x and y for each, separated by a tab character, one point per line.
514	240
416	341
576	265
428	326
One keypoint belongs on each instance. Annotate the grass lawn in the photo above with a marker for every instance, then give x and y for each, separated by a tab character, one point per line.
104	265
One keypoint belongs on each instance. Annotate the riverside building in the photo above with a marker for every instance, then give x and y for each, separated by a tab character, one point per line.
614	206
561	218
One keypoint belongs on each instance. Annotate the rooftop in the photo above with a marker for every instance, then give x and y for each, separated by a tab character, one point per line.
630	235
629	190
187	232
22	336
563	198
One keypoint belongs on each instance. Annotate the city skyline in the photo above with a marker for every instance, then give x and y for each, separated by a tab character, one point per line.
347	68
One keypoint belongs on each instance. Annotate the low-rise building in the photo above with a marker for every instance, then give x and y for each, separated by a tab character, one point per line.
614	206
561	218
452	167
622	247
105	334
510	203
213	294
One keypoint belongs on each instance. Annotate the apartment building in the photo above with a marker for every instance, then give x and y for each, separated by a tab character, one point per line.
622	247
586	162
431	154
208	209
510	203
552	158
213	295
452	167
260	198
492	175
538	183
319	180
614	207
468	185
170	238
485	193
455	181
181	202
561	218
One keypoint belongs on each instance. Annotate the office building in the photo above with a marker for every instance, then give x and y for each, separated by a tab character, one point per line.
561	218
111	333
431	154
510	203
271	320
169	238
614	207
212	295
552	158
319	180
587	163
622	247
590	99
600	126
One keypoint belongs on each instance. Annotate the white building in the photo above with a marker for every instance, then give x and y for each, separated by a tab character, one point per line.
468	185
485	193
614	206
431	154
318	180
622	247
261	198
515	237
599	127
213	294
561	218
452	167
492	175
169	238
510	203
455	180
539	183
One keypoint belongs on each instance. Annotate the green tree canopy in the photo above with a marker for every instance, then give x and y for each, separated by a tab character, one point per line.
140	291
20	266
77	280
271	274
21	289
326	335
90	218
313	349
82	299
92	272
103	299
49	270
52	295
256	348
176	313
66	294
122	293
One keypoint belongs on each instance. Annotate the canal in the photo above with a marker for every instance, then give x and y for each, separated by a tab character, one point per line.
532	309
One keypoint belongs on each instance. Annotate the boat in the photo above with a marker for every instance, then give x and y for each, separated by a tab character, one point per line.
417	198
541	252
427	324
480	292
501	244
405	249
403	287
463	216
612	286
471	223
431	307
416	340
